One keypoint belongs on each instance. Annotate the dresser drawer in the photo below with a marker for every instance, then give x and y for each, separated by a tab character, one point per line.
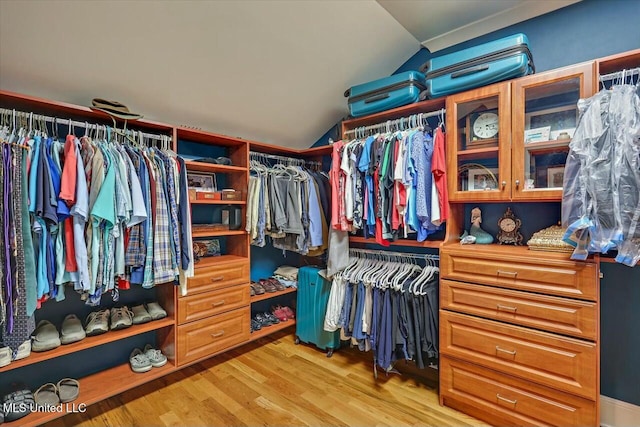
553	314
564	363
212	335
505	400
216	277
195	307
526	272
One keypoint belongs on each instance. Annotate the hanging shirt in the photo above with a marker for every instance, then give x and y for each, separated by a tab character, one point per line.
439	169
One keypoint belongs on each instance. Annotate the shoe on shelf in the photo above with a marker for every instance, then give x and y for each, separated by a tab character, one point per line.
262	320
252	290
255	325
47	394
139	361
24	350
289	312
97	322
273	319
155	311
268	287
140	315
72	330
6	355
279	313
45	337
259	289
68	390
155	356
121	318
276	284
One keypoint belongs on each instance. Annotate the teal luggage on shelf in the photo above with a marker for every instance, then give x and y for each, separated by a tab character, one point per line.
312	300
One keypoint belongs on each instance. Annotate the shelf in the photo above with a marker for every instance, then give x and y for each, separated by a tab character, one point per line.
89	342
478	153
218	202
217	260
97	387
213	168
264	332
217	233
202	136
404	111
402	242
544	146
269	295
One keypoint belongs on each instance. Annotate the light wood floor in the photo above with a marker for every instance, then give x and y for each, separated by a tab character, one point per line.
274	382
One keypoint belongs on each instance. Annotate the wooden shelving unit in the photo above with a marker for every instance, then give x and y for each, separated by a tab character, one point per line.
196	234
269	295
213	168
89	342
218	202
401	242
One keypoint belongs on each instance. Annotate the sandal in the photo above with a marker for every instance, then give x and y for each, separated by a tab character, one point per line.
47	395
68	390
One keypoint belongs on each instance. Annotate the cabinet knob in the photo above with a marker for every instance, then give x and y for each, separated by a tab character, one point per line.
517	182
504	184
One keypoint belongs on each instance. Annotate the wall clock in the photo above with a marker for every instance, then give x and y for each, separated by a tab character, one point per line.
509	226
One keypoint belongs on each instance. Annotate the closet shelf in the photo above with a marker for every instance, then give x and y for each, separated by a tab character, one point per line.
218	202
217	233
478	153
264	332
402	242
90	342
407	110
213	168
268	295
97	387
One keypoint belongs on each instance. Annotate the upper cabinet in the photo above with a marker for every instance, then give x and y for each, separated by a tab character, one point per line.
544	118
510	141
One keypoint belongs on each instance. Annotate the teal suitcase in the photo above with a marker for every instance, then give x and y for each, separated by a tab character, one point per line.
313	297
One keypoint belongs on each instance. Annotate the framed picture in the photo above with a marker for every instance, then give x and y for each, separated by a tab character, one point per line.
537	135
555	176
558	119
201	181
483	179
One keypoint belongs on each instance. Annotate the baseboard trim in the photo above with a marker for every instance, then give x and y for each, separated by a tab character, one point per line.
616	413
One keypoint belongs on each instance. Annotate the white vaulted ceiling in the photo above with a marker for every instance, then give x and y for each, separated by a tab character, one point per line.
272	71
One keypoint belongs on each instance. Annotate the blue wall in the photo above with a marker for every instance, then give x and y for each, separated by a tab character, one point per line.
582	32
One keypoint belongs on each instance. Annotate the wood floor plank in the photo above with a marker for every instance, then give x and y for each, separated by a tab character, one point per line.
273	382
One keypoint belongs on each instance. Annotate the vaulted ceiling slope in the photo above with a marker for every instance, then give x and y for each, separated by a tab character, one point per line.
272	71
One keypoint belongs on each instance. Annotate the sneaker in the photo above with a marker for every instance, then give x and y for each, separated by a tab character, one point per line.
5	356
288	311
121	318
155	311
273	319
72	330
279	313
255	325
45	337
156	357
24	350
262	320
97	322
139	361
140	315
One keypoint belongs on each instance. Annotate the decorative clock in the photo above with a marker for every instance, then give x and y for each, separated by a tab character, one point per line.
509	233
482	128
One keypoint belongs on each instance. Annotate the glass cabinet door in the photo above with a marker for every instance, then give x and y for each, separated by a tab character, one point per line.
545	117
478	135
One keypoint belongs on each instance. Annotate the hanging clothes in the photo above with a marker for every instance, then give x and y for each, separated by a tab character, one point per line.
390	185
601	189
99	214
289	204
388	307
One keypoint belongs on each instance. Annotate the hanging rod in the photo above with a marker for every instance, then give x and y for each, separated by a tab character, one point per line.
75	123
381	127
356	252
290	160
620	75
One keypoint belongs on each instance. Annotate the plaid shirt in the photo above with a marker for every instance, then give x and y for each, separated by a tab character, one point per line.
163	261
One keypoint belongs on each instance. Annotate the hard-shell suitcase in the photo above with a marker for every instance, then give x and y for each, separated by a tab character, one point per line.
499	60
385	94
312	300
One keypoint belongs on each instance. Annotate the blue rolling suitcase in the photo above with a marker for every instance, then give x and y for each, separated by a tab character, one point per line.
492	62
312	299
385	94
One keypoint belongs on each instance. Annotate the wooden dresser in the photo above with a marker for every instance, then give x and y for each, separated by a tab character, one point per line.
519	336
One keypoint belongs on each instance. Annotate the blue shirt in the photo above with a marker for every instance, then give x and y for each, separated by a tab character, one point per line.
315	217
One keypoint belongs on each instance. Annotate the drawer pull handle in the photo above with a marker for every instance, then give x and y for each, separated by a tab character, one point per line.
507	308
217	334
512	274
218	304
511	352
513	402
217	279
